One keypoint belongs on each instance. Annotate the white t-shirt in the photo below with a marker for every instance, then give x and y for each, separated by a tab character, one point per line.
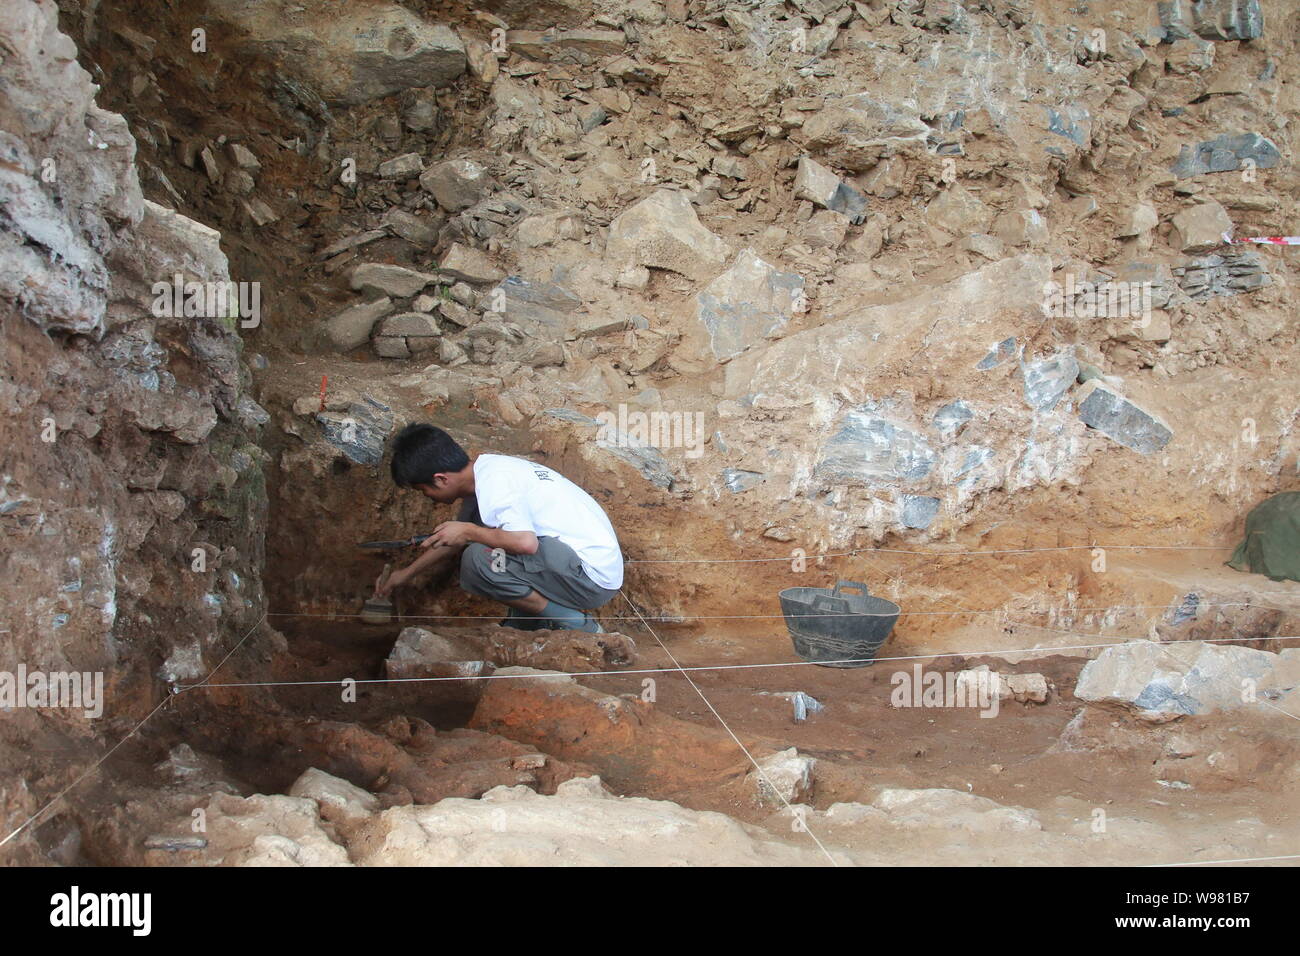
518	495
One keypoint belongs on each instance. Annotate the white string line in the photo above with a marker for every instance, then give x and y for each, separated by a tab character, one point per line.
1249	859
1279	709
624	672
232	650
678	668
676	618
95	766
942	554
727	728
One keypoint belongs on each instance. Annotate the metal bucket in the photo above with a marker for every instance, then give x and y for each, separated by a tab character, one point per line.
836	627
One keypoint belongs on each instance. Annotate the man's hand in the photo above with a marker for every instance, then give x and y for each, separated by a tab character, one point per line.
385	584
450	534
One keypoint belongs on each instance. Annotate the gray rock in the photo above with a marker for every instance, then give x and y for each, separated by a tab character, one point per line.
408	324
546	302
949	419
1115	416
869	449
405	225
856	131
821	186
1211	19
360	434
421	113
471	265
918	511
1047	380
1201	227
392	347
590	115
385	279
748	303
456	313
345	54
401	167
456	184
351	327
663	231
947	16
243	157
1162	681
1004	351
1226	153
646	459
738	480
1073	122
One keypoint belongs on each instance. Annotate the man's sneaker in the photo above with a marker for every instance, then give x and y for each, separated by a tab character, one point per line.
589	624
521	621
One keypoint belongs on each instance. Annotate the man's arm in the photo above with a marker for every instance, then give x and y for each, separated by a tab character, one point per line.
434	557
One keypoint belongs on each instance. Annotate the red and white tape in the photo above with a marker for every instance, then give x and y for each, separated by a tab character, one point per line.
1265	240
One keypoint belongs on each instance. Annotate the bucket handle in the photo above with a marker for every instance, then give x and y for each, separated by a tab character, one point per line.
827	602
842	585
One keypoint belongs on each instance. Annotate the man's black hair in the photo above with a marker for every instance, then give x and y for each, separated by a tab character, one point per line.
422	451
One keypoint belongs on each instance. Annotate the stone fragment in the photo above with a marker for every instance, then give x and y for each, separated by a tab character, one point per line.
382	278
1142	217
918	511
783	778
953	810
408	226
855	132
361	431
243	157
401	167
957	210
409	324
1201	227
1226	153
1047	380
1103	408
548	303
738	480
259	211
346	54
339	800
456	184
950	418
469	264
748	303
1162	681
662	231
821	186
351	328
870	449
456	313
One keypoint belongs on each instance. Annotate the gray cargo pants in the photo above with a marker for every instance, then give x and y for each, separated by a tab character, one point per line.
555	571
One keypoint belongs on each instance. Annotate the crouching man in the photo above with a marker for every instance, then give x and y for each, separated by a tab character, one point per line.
525	535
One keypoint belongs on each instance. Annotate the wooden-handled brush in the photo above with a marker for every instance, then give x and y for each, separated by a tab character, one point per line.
378	610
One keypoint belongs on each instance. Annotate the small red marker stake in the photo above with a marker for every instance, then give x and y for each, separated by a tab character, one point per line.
323	380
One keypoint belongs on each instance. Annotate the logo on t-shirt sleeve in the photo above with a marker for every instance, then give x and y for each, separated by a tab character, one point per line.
543	475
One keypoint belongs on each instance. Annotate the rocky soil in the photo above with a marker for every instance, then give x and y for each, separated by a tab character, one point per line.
928	294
